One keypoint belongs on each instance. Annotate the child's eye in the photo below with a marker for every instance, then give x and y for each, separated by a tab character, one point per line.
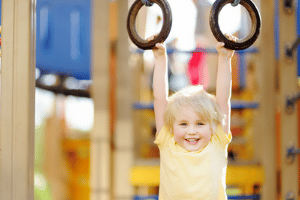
200	124
183	124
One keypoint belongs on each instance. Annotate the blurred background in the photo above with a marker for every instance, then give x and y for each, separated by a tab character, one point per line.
76	141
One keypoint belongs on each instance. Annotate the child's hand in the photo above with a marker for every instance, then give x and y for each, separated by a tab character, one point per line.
159	50
222	50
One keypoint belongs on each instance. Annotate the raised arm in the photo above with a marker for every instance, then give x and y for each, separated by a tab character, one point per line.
160	84
224	82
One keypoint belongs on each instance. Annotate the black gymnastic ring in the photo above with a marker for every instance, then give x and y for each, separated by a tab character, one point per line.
245	42
165	30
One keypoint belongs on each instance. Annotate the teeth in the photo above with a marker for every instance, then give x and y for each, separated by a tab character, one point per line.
191	140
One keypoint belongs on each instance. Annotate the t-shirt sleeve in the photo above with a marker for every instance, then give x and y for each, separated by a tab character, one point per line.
162	137
222	137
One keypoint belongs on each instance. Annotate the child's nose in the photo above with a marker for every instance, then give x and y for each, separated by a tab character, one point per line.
192	130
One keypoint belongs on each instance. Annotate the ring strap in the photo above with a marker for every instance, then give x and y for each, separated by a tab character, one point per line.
147	3
235	3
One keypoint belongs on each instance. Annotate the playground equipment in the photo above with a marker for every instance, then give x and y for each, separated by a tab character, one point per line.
241	43
267	105
17	86
148	176
245	177
167	23
64	38
17	119
288	128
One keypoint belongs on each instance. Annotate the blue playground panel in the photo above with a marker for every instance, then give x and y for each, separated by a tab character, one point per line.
155	197
63	37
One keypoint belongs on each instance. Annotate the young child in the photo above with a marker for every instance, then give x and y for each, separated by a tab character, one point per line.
193	132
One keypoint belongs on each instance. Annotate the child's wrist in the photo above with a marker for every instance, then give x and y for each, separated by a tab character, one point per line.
225	57
161	58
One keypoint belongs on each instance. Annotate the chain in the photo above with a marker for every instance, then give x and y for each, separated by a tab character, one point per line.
236	2
147	3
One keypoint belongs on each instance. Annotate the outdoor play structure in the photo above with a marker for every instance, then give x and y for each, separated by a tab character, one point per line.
88	40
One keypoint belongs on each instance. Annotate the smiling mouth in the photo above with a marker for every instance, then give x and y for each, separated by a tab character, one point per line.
192	140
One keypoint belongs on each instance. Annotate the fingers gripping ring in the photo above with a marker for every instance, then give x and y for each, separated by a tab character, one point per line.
241	43
165	30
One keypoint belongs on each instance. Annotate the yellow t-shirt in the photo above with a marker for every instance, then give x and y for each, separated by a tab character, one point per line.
198	175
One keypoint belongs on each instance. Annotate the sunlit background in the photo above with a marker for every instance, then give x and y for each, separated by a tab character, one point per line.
79	111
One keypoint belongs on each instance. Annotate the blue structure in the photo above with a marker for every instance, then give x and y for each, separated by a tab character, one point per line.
298	33
63	37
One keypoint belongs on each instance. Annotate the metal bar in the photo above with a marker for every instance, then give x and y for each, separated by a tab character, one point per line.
234	105
155	197
207	50
242	70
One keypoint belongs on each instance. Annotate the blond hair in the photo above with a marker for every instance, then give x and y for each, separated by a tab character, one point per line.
196	98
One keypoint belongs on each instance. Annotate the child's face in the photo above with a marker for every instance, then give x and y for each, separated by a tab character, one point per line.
190	131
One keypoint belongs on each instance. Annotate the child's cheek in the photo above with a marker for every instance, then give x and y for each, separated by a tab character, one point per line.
178	137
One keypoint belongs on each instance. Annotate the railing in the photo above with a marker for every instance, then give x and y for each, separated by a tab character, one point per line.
155	197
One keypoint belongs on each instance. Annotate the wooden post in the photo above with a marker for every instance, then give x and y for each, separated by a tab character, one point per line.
265	121
123	135
17	100
100	136
57	173
288	86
